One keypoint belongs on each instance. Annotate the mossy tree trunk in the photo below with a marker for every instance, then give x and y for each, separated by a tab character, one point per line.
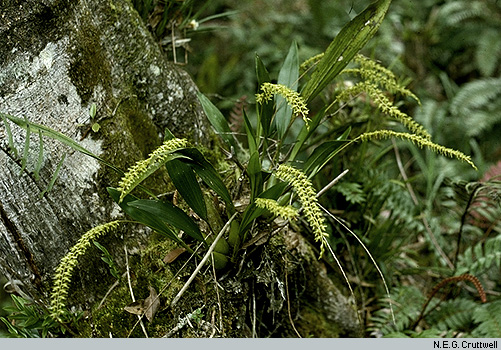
58	58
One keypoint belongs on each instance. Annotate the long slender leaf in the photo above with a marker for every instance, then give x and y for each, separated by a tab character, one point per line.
54	176
321	155
266	110
218	121
25	124
251	137
208	174
288	76
142	216
186	183
9	134
26	150
170	214
345	46
306	132
38	165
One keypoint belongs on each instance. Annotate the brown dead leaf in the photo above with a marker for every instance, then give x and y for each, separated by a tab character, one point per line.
151	304
147	307
173	255
136	308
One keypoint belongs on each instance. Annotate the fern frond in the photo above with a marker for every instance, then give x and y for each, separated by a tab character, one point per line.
144	168
480	257
455	12
488	317
453	314
64	271
418	140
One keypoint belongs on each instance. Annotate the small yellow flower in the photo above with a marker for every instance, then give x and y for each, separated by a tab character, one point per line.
144	168
64	271
286	212
293	98
418	140
308	198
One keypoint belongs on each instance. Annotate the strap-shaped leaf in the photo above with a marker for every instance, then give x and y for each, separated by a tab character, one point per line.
218	121
345	46
183	177
208	174
25	124
170	214
288	76
321	155
266	109
143	216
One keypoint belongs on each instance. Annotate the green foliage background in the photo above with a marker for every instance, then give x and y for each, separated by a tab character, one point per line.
423	217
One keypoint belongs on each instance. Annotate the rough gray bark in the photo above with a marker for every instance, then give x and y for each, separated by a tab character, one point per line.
57	58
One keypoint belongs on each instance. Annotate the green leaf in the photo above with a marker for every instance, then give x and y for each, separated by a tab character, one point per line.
251	138
345	46
306	133
288	76
218	121
25	124
321	155
252	212
9	134
255	174
142	216
186	183
208	174
170	214
266	111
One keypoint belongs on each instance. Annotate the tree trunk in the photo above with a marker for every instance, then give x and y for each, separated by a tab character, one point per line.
58	58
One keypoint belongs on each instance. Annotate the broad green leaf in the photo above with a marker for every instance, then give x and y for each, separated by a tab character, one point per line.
142	216
218	121
170	214
345	46
186	183
321	155
265	111
208	174
288	76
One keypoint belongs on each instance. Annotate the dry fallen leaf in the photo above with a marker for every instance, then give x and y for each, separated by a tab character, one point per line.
173	255
151	304
148	306
136	308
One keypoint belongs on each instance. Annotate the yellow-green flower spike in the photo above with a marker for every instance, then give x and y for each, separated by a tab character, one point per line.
287	212
144	168
308	198
293	98
64	271
418	140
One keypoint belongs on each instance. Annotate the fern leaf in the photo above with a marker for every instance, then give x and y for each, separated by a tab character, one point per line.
488	317
482	256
